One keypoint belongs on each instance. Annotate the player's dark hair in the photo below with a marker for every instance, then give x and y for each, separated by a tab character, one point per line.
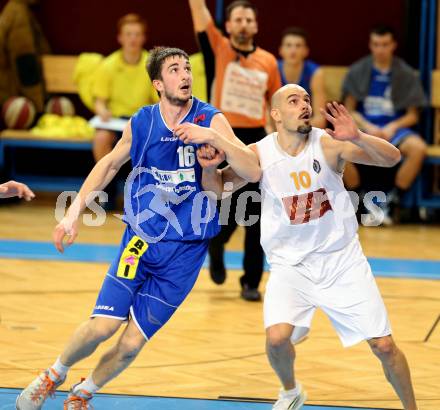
157	58
382	30
295	31
131	18
240	3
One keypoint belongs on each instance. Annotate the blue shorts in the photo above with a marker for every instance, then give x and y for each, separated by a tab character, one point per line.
149	281
400	135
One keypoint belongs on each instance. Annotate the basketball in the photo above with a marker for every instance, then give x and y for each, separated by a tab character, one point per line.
60	106
18	113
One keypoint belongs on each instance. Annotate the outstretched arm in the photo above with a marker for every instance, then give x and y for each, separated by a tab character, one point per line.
100	176
219	181
355	145
220	136
200	15
11	188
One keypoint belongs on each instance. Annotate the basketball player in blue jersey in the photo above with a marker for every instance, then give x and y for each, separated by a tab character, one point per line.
11	189
169	222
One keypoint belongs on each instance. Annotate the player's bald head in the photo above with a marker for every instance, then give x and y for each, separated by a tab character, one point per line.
285	91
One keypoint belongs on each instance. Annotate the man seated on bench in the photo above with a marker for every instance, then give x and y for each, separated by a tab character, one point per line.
385	96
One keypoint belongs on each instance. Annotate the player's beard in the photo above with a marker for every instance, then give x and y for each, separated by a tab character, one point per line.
175	100
304	129
243	39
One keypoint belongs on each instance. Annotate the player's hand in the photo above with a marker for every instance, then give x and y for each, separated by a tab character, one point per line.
388	131
13	188
67	228
345	129
209	157
105	115
194	134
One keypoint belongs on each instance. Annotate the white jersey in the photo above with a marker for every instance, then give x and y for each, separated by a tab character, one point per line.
305	207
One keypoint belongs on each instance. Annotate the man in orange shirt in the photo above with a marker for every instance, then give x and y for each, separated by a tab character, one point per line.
246	77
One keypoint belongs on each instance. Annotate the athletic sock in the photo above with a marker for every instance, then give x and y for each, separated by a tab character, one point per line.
293	392
88	385
58	371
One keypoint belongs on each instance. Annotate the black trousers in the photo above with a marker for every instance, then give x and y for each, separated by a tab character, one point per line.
253	260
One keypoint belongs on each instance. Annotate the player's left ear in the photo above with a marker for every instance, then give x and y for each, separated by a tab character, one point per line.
275	114
228	27
158	85
307	52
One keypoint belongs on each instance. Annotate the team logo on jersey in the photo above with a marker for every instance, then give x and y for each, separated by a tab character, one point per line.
316	166
168	139
304	208
199	118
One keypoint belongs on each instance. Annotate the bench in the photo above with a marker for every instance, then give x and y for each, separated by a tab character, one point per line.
58	74
425	196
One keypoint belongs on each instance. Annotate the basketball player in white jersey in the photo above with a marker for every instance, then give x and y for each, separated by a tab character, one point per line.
309	235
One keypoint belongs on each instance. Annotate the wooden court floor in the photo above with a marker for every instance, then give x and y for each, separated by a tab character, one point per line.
214	345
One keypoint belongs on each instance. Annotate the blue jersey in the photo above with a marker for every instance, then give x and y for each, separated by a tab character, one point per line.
164	198
305	79
378	106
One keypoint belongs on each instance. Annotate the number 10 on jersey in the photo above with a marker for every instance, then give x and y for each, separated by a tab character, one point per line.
301	179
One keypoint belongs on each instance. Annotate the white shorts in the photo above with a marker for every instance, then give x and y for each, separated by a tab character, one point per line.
340	283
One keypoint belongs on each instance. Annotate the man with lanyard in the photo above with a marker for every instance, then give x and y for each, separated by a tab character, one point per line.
246	77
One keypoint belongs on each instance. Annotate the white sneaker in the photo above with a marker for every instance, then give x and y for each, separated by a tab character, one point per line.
287	401
78	399
34	395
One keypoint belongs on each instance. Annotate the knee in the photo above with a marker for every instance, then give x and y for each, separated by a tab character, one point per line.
416	149
128	348
103	137
351	177
276	339
383	347
101	330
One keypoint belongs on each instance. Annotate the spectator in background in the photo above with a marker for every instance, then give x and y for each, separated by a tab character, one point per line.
246	77
295	68
12	189
22	44
385	96
121	85
208	61
200	88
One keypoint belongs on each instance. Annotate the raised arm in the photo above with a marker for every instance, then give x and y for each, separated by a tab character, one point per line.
200	15
354	145
220	136
100	176
319	98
